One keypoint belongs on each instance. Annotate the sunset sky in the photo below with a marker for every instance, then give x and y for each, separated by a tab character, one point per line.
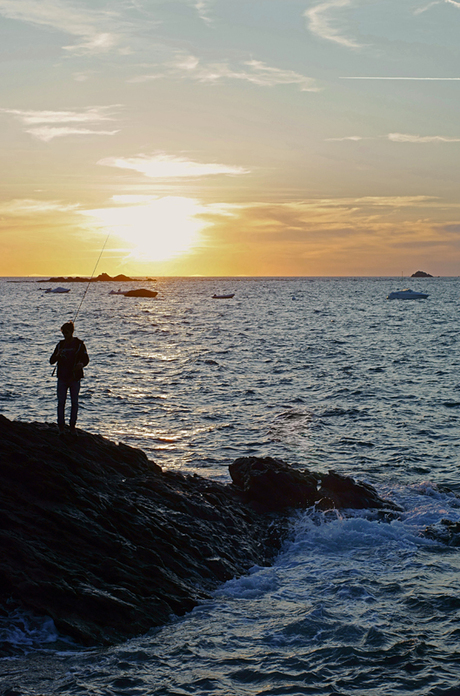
230	137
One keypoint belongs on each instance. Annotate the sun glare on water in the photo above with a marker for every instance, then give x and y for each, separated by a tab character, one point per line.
155	229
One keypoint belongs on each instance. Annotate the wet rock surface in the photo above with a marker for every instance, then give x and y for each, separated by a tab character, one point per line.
272	485
96	536
108	545
446	532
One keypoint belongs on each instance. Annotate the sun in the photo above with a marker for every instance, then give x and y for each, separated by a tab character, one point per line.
156	229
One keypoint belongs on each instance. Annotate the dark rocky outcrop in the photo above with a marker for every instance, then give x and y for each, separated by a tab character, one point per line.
272	485
98	537
421	274
101	539
103	277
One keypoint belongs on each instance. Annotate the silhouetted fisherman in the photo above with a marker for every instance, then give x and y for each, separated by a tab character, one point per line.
71	357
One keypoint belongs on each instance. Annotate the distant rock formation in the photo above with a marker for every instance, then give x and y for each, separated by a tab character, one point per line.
108	545
103	277
421	274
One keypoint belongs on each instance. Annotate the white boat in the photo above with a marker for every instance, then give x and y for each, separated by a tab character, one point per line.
223	297
407	294
58	290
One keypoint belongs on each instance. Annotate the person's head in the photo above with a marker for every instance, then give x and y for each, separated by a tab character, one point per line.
67	329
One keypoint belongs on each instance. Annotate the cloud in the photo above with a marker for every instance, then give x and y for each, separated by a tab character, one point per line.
52	124
321	23
348	137
420	10
30	206
362	202
400	138
406	138
91	114
382	77
253	71
47	133
202	7
85	25
163	166
336	236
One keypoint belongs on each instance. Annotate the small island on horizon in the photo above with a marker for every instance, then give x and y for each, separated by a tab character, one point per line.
421	274
102	277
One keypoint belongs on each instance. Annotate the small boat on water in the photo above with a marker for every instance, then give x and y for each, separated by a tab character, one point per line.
57	290
407	294
223	297
117	292
141	292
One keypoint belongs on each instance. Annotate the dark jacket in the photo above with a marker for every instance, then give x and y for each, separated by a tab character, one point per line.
67	356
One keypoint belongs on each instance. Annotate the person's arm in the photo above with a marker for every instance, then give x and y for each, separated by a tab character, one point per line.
55	357
83	358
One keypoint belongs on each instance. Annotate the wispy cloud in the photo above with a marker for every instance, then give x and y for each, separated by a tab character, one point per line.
400	138
393	77
202	7
407	138
253	71
162	166
364	201
47	125
348	137
30	206
88	26
322	21
420	10
47	133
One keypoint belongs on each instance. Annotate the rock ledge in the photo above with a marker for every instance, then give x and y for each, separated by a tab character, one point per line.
98	537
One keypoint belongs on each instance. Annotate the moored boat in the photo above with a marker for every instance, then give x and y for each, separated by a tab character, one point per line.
407	294
141	292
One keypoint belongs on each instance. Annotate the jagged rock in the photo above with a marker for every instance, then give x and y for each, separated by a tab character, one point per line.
272	484
98	537
344	492
421	274
101	539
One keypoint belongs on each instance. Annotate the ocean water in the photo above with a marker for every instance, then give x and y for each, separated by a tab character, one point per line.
325	373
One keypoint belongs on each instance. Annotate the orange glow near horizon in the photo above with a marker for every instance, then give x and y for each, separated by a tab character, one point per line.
180	236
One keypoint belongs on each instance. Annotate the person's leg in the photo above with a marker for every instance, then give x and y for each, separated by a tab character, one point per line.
74	391
61	396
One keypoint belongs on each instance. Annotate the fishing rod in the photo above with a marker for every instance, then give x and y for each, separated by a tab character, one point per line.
87	286
92	276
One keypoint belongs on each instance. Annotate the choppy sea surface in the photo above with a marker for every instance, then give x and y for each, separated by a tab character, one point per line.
325	373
